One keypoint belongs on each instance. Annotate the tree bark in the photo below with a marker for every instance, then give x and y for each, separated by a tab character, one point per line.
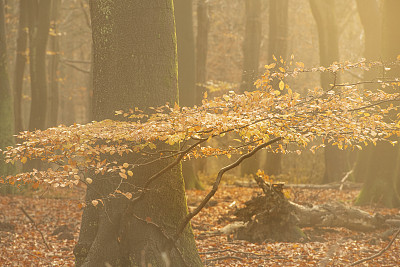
382	182
134	65
38	24
324	15
6	99
278	42
20	62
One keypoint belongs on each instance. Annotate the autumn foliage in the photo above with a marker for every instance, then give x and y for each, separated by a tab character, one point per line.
345	115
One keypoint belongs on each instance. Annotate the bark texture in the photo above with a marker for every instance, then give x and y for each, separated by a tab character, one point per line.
135	65
324	15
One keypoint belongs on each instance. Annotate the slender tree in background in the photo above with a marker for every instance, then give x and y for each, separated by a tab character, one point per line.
38	24
6	97
203	27
324	15
251	58
371	20
54	59
251	44
186	73
382	181
20	63
135	65
277	47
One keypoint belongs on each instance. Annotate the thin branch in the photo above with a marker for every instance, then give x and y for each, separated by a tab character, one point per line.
218	181
380	252
75	67
35	225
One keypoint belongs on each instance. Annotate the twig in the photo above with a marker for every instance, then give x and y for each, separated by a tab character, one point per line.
218	181
380	252
35	225
227	257
235	251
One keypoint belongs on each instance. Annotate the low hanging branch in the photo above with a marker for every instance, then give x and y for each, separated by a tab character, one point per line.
341	115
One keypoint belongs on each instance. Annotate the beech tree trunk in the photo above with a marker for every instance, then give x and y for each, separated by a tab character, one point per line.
38	24
135	65
6	98
324	15
382	181
20	62
277	46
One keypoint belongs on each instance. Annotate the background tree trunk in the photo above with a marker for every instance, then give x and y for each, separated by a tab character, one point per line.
134	65
382	182
251	58
186	74
371	20
6	98
203	25
277	46
20	62
324	15
38	24
54	47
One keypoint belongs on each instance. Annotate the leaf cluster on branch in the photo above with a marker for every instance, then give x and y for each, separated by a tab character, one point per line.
345	115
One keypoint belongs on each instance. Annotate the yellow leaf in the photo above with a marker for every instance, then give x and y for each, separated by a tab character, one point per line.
123	175
281	85
270	66
24	159
126	165
273	56
95	202
89	180
130	173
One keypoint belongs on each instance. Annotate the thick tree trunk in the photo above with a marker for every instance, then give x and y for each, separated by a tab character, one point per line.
135	66
382	182
324	15
20	62
54	46
6	98
38	24
278	40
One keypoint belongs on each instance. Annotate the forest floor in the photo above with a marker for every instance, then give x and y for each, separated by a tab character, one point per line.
21	244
